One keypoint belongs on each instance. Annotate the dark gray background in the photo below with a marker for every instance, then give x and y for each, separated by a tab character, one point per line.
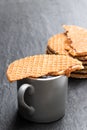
25	26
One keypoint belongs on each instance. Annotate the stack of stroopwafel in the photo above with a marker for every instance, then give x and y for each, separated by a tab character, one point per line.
77	47
73	42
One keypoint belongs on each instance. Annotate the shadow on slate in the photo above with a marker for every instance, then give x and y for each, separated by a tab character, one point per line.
20	123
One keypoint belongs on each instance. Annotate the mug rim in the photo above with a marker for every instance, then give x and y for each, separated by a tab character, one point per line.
49	78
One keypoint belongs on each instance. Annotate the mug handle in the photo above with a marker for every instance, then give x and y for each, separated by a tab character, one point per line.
29	109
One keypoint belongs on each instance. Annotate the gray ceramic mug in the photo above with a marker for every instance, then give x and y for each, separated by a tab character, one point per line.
42	99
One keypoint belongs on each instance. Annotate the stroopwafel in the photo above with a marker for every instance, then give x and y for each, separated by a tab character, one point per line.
42	65
82	58
56	44
78	37
82	71
77	75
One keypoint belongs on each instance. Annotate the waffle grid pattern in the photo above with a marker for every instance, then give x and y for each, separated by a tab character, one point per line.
42	65
56	44
78	36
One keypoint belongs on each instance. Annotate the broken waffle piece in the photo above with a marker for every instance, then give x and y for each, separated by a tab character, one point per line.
42	65
78	37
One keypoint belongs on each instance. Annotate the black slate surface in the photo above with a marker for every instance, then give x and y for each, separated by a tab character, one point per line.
25	26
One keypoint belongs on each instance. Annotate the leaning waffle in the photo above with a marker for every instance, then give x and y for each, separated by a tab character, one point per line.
78	37
42	65
56	44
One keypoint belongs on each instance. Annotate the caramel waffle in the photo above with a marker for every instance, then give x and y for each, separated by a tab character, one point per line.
82	58
78	37
56	44
42	65
84	62
82	71
85	66
77	75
